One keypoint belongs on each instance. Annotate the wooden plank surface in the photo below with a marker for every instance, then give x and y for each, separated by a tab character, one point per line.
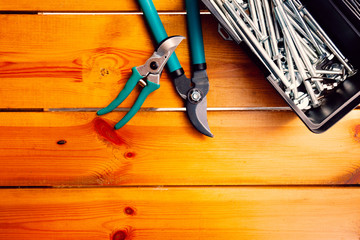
158	148
212	188
84	61
86	5
181	213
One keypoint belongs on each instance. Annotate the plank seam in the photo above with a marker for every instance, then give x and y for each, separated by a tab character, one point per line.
172	109
21	109
20	12
225	109
187	186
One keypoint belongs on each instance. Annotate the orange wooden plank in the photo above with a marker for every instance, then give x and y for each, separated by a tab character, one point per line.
180	213
158	148
84	61
82	5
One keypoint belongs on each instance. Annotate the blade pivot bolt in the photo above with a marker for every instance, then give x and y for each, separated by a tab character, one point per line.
195	95
154	65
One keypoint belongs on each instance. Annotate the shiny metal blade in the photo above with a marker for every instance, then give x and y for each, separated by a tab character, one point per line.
197	114
154	66
169	45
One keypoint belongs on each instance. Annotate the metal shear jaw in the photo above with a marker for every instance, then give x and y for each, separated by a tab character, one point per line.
194	91
148	75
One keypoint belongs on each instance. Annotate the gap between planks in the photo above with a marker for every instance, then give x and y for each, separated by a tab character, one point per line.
229	109
293	186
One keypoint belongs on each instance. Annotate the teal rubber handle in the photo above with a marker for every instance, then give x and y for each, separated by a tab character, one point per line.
149	88
195	32
129	86
158	30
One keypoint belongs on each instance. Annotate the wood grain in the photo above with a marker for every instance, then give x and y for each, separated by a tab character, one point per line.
84	61
181	213
249	148
156	178
89	5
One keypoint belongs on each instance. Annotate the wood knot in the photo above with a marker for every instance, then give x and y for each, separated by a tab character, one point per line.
119	235
129	155
61	142
104	72
357	133
124	234
129	211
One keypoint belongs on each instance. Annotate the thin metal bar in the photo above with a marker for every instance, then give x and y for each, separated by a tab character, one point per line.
250	39
305	27
234	11
225	20
263	28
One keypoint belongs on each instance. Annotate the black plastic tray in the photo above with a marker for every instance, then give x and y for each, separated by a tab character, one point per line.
344	29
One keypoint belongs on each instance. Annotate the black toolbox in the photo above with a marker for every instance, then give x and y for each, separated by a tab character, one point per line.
343	27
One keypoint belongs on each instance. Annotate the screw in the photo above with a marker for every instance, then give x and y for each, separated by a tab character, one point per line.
306	28
263	27
219	8
291	45
272	33
253	43
325	38
291	34
303	101
233	9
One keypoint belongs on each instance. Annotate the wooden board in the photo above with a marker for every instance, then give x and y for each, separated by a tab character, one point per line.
156	178
157	148
84	61
83	5
180	213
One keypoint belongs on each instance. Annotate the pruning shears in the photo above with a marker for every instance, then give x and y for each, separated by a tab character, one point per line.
147	75
193	90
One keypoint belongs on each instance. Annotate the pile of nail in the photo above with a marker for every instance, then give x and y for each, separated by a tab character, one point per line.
300	56
354	6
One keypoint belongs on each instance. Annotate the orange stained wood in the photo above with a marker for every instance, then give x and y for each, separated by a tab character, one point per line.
157	148
84	61
181	213
156	178
87	5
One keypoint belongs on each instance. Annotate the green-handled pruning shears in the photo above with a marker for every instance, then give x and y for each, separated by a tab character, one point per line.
192	90
147	75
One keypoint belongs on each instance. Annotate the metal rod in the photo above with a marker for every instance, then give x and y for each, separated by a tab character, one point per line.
233	32
305	27
251	40
260	35
263	28
272	33
298	62
294	37
290	62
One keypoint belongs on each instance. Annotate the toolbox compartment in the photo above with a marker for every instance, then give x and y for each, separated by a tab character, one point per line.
344	29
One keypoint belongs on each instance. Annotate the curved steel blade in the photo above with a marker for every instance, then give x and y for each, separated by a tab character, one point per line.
169	45
156	63
197	114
